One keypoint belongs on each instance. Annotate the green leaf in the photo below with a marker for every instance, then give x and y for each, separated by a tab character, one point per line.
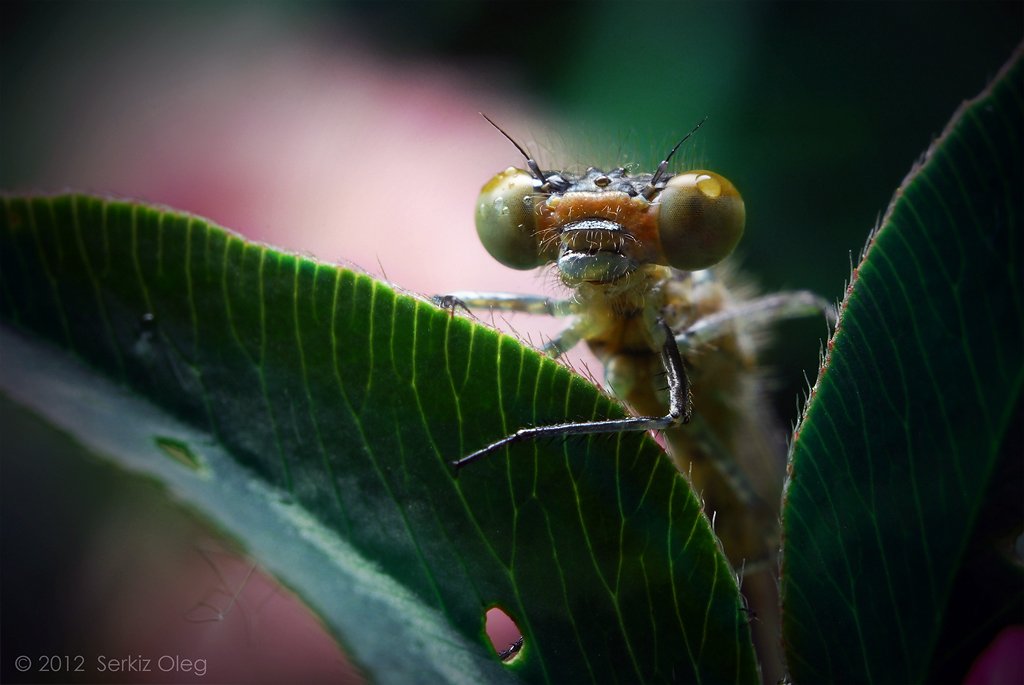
311	412
904	446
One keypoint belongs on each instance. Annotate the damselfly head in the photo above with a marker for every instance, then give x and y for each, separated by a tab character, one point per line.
598	227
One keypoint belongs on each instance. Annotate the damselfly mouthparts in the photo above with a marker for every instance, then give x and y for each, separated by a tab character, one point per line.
636	251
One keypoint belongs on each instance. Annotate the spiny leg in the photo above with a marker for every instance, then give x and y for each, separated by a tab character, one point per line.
506	302
761	311
680	409
528	304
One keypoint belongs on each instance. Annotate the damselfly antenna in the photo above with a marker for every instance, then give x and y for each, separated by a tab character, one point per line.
534	169
651	188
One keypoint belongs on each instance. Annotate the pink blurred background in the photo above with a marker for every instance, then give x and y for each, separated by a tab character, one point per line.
263	124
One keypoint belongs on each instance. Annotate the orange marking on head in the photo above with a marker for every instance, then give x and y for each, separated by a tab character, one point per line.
637	216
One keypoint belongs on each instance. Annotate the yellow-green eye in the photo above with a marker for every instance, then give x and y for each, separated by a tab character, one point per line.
700	220
505	219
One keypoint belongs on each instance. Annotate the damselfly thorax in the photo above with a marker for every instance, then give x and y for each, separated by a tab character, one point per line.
678	344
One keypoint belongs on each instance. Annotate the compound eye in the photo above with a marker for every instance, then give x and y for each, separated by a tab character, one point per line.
700	220
505	219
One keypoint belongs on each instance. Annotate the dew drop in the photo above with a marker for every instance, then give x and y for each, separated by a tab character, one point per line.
709	185
500	206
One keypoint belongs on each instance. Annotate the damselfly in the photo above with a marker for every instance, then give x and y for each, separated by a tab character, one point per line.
677	342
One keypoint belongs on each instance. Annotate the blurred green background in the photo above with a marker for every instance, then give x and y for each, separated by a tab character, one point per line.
350	131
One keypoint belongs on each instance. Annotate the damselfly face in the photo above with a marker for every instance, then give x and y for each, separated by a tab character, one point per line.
600	227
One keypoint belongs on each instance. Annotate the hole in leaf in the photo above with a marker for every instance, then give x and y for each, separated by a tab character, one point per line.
505	635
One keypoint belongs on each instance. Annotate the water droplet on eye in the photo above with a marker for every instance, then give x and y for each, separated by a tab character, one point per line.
709	186
500	206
